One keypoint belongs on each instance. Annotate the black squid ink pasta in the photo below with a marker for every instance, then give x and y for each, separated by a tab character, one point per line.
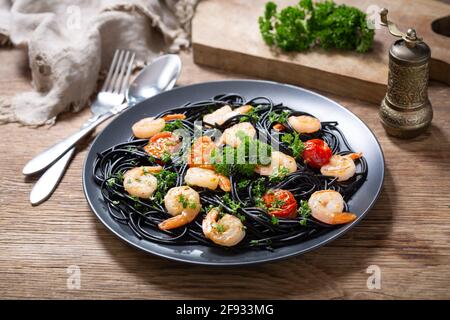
143	215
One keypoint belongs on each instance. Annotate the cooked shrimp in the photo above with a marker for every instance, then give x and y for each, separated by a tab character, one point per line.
207	178
139	182
278	160
183	203
200	155
230	137
304	124
341	167
200	177
221	115
148	127
241	110
327	206
227	231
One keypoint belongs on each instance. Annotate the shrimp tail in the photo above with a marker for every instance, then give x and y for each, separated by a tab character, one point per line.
224	183
154	169
343	217
177	221
355	155
279	127
176	116
173	223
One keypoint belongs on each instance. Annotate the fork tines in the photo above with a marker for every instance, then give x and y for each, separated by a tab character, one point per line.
119	72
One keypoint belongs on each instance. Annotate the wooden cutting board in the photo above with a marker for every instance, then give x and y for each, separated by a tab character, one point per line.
225	35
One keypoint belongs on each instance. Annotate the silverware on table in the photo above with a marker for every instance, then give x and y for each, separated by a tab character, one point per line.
160	75
110	96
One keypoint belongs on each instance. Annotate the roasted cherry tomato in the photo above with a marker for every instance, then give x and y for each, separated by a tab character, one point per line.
280	203
317	153
162	143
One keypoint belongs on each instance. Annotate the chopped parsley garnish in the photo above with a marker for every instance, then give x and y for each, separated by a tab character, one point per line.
259	202
137	203
166	157
304	211
294	143
259	187
173	125
230	203
274	220
119	176
243	159
186	203
111	181
276	204
279	117
131	149
243	184
241	217
166	180
251	116
219	227
279	174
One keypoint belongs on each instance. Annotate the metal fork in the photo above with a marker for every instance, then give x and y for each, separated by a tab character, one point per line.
112	94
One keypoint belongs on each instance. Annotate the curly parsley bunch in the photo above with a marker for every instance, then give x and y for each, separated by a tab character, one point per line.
308	24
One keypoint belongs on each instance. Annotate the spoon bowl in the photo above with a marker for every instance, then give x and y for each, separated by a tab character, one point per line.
159	76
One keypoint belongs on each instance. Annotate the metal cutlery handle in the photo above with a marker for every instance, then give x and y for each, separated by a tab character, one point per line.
48	182
47	157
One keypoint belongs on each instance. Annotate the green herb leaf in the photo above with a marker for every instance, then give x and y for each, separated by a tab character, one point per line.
276	204
111	181
279	117
308	24
279	174
259	187
274	220
166	157
166	180
119	176
219	227
243	159
304	211
294	143
251	116
243	184
173	125
230	203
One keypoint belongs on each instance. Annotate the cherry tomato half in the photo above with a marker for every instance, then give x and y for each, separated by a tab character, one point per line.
280	203
317	153
161	143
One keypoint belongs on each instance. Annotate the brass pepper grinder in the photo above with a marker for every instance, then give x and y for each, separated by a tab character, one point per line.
405	110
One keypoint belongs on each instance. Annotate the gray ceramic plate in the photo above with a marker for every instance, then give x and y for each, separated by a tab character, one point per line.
358	134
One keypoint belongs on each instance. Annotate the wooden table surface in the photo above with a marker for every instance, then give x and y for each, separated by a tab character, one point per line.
406	234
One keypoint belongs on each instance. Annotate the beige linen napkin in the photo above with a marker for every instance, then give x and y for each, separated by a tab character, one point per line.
70	42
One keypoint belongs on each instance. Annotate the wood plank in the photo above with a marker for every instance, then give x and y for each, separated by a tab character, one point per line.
226	36
406	234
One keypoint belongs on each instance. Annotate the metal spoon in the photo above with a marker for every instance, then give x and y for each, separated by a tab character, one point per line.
161	75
